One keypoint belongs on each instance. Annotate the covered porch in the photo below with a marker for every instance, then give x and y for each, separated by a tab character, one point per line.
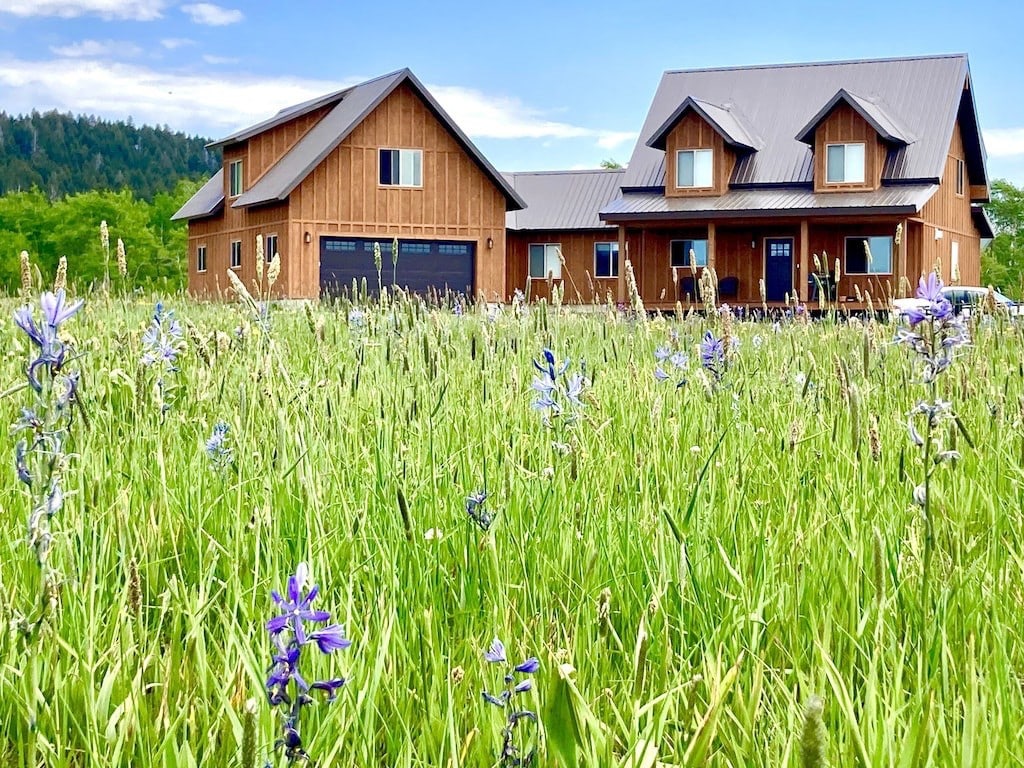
669	258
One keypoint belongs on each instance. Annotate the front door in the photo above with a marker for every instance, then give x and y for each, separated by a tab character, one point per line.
778	268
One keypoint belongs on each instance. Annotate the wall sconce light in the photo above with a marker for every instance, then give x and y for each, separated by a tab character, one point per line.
307	237
490	243
938	233
753	242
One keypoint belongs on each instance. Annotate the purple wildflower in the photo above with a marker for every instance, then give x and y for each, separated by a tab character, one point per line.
712	355
478	512
512	753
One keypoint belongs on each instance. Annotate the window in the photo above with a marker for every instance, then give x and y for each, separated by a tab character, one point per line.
201	258
235	175
340	245
271	248
680	254
544	260
451	249
959	178
845	164
693	168
869	255
401	167
236	254
606	259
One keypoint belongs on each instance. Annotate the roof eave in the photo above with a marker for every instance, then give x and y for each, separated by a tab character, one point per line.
759	213
806	134
659	139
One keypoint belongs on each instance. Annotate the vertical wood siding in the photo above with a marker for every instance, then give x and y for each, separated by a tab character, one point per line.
843	126
578	281
693	132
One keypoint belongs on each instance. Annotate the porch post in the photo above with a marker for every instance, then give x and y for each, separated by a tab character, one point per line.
623	256
803	268
901	254
711	244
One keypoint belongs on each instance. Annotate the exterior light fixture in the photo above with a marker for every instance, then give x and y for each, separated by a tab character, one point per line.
490	243
308	237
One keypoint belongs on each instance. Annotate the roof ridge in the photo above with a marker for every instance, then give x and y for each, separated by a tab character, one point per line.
563	172
839	62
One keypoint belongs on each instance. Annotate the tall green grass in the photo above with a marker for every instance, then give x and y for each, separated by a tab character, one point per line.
702	564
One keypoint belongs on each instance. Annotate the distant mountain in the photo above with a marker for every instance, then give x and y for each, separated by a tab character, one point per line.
62	154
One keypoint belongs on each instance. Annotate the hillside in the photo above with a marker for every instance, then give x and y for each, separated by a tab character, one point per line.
61	154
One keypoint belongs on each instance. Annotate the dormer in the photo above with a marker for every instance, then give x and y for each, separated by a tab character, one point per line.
702	142
851	137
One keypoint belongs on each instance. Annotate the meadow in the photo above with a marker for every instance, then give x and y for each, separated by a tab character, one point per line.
721	572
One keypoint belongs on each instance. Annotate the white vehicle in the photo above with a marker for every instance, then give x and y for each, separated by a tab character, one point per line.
965	299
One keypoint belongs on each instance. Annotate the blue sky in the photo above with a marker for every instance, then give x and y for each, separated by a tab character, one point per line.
537	85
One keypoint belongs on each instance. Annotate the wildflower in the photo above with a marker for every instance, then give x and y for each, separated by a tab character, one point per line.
122	259
52	352
712	355
556	390
356	318
512	753
285	686
218	446
475	508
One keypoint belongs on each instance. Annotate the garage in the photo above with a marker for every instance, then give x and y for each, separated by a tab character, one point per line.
423	265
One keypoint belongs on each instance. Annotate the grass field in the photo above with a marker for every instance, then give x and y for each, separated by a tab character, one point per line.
691	565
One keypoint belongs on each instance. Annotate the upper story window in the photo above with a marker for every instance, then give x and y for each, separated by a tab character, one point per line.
869	255
236	254
271	249
844	164
606	259
693	168
679	254
401	167
545	260
959	177
235	178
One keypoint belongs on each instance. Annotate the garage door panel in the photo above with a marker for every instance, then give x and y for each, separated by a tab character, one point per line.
423	265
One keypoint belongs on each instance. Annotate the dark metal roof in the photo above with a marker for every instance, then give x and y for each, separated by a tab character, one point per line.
355	104
729	125
756	203
875	115
208	200
923	93
981	220
562	199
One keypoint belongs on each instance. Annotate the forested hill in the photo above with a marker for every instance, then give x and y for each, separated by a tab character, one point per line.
61	154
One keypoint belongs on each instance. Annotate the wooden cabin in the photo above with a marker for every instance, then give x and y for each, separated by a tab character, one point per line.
774	175
325	181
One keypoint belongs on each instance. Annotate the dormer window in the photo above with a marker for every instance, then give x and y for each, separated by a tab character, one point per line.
235	177
845	164
694	168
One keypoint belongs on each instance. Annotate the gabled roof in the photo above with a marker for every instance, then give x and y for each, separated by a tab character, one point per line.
562	199
349	107
724	120
872	112
208	200
917	98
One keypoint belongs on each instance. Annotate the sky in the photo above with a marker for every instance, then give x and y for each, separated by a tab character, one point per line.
536	85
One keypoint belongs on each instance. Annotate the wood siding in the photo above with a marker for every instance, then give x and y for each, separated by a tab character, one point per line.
211	232
844	126
694	132
950	214
578	281
342	196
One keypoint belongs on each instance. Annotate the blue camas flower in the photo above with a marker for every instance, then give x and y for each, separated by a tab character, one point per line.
516	682
712	355
672	359
290	635
218	446
52	352
557	391
162	342
478	512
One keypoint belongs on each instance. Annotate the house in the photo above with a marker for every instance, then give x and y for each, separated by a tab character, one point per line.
877	164
326	180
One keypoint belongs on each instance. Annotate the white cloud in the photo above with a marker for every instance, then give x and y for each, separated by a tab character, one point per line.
1004	142
172	43
210	59
137	10
96	49
214	104
212	15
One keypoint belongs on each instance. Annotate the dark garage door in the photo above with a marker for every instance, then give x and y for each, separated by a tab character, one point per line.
423	265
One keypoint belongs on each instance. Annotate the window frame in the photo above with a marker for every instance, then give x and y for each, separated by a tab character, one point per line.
380	167
864	163
555	248
869	271
231	254
960	177
268	252
201	258
232	190
710	152
686	253
613	259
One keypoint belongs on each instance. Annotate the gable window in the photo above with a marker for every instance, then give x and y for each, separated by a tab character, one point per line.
869	255
271	248
606	259
200	258
235	178
693	168
680	253
959	177
401	167
236	254
844	164
545	260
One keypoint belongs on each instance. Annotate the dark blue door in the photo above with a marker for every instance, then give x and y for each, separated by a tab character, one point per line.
778	268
